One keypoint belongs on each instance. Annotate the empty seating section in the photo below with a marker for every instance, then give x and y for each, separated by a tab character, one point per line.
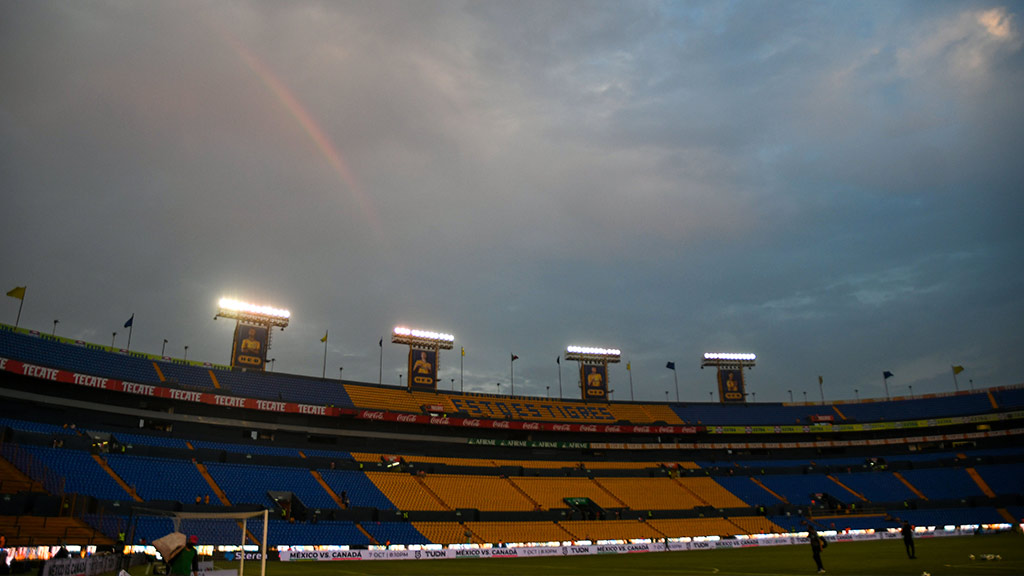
950	516
249	484
37	427
799	489
338	455
360	490
710	491
761	414
1003	479
549	492
664	413
193	377
81	473
284	387
85	359
393	399
876	486
692	527
748	491
650	494
449	532
1009	398
481	492
247	448
405	533
403	491
159	478
131	438
48	531
919	408
610	529
511	532
374	458
943	483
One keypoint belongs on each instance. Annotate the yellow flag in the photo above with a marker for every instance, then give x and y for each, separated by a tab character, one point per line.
627	365
18	292
324	339
958	369
463	350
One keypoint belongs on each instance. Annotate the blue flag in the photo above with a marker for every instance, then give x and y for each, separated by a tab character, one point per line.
671	365
130	321
886	375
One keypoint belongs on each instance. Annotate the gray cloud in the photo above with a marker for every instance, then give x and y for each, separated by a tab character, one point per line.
831	186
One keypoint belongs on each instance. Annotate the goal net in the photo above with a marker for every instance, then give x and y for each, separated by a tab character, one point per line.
234	534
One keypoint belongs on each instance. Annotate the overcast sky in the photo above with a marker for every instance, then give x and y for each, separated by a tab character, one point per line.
836	187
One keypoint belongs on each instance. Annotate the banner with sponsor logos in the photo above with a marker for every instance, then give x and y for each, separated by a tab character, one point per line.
209	398
594	381
250	346
682	545
422	369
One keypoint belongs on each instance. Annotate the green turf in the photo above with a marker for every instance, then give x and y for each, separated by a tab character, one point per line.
939	557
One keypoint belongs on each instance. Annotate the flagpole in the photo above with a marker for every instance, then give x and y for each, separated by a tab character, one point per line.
380	373
676	378
956	386
630	370
130	328
462	369
18	320
323	375
821	390
558	360
512	373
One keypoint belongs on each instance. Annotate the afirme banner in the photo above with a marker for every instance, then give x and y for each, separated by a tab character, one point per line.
587	550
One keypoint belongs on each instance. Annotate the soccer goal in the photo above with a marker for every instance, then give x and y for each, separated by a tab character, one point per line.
213	530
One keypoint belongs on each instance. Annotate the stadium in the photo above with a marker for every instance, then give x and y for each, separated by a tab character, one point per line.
103	447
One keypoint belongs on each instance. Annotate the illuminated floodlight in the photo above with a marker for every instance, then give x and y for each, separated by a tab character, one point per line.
253	313
591	354
726	359
413	337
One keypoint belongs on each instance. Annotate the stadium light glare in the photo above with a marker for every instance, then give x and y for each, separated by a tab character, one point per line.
245	307
252	313
728	356
592	353
412	336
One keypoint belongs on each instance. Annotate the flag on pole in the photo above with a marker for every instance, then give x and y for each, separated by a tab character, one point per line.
628	367
886	375
558	360
18	292
324	339
820	380
958	369
514	358
463	350
130	322
381	343
671	365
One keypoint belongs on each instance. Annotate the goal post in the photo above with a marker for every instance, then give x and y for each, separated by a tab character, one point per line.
214	526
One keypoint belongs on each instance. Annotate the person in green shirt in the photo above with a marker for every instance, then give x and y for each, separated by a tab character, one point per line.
186	562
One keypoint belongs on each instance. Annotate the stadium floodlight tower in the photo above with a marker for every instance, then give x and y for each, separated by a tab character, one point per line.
593	363
424	351
731	387
253	324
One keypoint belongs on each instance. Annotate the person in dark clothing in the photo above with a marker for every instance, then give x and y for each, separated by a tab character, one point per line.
908	539
817	544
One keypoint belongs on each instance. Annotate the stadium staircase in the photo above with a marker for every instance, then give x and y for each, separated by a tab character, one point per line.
213	483
768	490
847	488
120	481
910	486
330	492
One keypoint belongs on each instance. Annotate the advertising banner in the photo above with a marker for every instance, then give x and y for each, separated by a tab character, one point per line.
422	369
730	385
594	379
250	347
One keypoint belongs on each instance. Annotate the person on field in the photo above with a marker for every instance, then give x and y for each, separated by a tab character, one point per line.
817	545
908	539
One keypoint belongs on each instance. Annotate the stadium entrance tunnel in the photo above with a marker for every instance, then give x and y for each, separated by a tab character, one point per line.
288	506
586	507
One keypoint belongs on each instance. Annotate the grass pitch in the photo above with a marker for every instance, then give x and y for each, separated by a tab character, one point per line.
936	556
